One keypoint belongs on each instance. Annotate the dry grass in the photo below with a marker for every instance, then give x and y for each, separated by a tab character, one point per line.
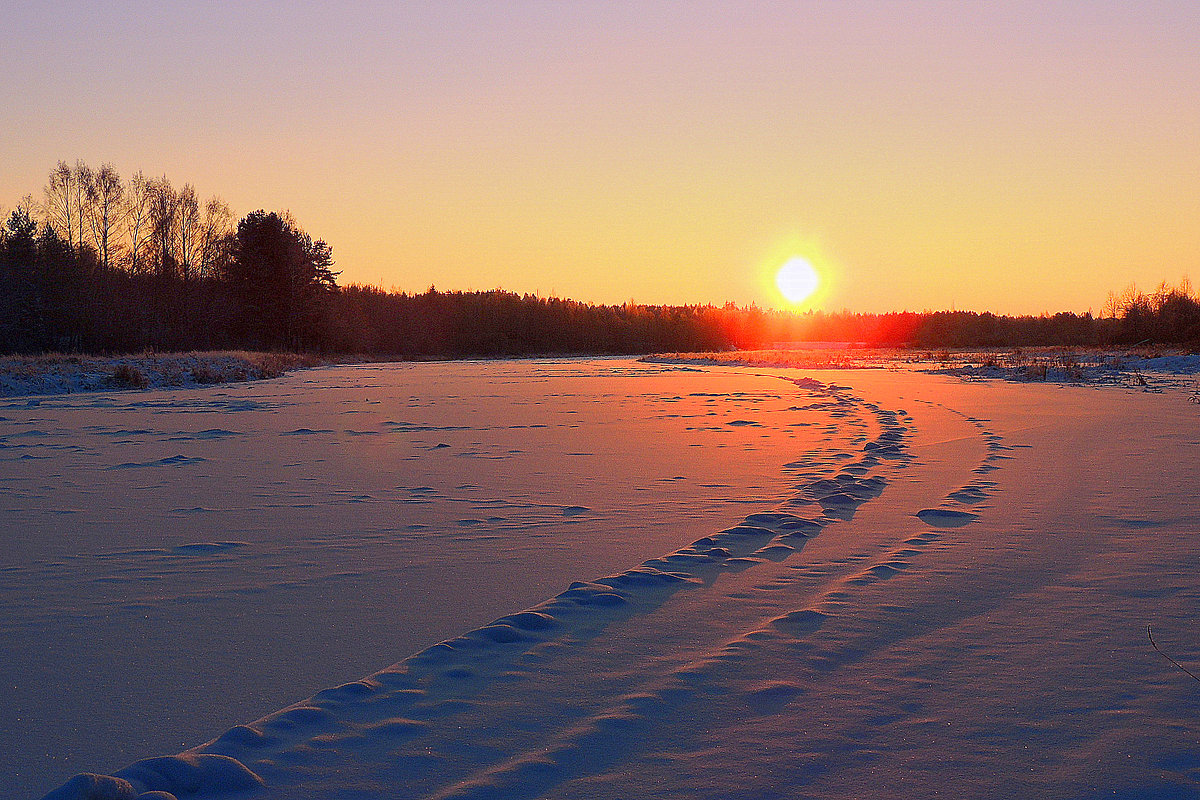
55	373
858	358
1067	365
1071	365
130	377
272	365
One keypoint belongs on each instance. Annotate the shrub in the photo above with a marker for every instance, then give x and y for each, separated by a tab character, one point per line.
130	377
206	373
1035	371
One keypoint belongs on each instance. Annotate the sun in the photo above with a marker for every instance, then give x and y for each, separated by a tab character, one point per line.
797	279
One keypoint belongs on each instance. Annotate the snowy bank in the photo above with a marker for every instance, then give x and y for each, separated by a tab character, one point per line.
67	374
1039	364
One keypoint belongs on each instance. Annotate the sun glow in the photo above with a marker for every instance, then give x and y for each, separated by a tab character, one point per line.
797	280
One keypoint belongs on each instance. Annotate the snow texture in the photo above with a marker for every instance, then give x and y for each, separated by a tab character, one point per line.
69	374
948	589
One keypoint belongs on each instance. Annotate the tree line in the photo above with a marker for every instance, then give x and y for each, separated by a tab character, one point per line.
1167	315
104	265
141	225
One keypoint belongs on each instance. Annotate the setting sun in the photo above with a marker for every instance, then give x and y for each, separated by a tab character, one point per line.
797	279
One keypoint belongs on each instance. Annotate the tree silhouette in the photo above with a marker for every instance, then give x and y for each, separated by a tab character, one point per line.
106	266
18	292
61	200
137	220
282	281
106	208
164	210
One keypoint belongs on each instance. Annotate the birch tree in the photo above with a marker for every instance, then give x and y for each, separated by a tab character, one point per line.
81	190
137	220
187	229
59	200
164	205
215	240
106	209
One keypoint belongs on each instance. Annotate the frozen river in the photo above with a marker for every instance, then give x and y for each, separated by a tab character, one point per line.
603	579
175	562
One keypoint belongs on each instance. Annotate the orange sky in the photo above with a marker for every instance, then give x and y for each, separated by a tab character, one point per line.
1018	157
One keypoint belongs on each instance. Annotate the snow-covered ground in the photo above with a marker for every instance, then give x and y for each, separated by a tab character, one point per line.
875	583
67	374
178	561
1141	368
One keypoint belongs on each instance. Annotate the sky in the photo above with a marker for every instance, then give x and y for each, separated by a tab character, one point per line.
1017	157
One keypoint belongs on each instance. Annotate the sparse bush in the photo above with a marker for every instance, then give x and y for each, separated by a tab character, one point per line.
273	365
1069	363
1035	371
130	377
172	373
205	373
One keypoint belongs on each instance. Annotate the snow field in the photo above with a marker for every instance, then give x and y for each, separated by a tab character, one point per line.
169	553
950	595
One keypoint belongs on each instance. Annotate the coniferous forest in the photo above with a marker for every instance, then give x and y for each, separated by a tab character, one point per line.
101	264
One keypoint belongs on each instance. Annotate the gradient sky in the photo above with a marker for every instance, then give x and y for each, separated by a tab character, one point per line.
1018	157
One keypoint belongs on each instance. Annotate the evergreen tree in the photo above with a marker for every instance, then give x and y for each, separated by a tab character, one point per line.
282	281
18	292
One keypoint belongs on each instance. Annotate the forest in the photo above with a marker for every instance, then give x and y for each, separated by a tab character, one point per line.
104	265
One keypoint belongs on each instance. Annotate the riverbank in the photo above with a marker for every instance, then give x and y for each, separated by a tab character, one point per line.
64	373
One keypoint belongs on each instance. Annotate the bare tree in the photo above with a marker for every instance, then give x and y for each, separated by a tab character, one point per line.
214	245
187	224
27	205
164	206
81	189
137	219
106	209
59	204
